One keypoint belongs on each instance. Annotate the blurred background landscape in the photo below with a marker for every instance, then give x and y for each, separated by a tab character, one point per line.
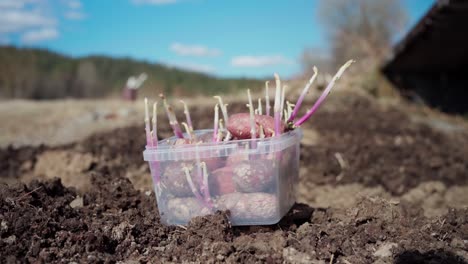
88	49
68	67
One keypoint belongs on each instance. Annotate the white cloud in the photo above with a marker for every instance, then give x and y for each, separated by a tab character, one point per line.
74	15
260	61
154	2
33	21
193	67
39	35
74	4
74	11
11	4
16	4
14	20
193	50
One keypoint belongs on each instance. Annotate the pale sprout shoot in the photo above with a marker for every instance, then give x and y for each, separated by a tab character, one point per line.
324	94
224	111
204	194
155	124
187	130
283	92
191	184
221	125
172	118
289	107
267	99
149	141
220	131
174	123
260	110
252	117
187	115
205	186
216	123
223	107
227	137
262	133
199	169
277	106
303	94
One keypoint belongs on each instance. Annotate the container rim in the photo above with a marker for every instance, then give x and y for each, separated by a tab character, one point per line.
163	144
166	151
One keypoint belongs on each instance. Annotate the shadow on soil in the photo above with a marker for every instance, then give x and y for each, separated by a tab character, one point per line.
433	257
299	214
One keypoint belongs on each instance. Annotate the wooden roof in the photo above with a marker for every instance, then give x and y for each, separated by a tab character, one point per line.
438	42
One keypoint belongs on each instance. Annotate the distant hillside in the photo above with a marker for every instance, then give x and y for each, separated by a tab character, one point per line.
41	74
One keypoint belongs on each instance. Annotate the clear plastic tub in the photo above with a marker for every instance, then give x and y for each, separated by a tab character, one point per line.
254	179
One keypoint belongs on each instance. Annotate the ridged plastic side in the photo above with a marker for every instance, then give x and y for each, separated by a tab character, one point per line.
264	174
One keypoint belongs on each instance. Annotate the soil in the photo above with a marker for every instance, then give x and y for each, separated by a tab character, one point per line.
375	187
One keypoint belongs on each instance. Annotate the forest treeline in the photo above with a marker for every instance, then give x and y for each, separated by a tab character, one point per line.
42	74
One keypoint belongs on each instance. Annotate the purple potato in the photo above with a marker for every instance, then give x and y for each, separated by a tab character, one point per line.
205	137
174	179
184	209
239	125
253	175
249	206
221	181
182	141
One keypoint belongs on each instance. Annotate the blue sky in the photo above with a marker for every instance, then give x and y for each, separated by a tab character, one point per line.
225	38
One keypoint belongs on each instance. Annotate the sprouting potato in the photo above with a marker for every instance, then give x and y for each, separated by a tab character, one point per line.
253	175
183	209
249	206
182	141
174	181
221	181
239	125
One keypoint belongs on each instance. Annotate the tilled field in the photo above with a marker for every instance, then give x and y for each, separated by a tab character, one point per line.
375	187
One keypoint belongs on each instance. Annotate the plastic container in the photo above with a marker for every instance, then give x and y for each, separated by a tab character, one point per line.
255	180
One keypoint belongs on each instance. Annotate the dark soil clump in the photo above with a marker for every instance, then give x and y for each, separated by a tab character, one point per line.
41	222
16	161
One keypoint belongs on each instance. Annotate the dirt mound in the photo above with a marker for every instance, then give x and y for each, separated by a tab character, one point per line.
43	222
17	161
378	146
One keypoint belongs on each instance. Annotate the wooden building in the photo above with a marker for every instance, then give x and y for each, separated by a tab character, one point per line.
430	64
